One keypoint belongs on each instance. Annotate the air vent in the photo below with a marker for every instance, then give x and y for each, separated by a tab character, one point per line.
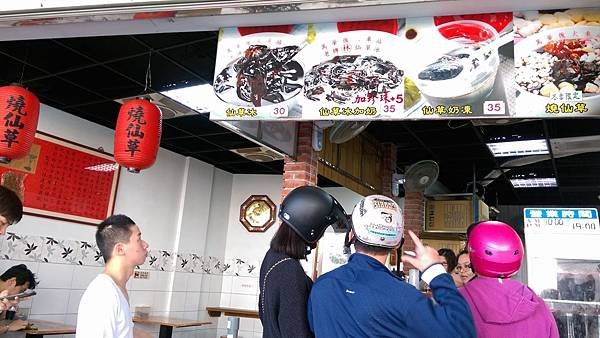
258	154
170	108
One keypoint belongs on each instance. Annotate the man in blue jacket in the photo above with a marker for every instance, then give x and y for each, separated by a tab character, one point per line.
364	299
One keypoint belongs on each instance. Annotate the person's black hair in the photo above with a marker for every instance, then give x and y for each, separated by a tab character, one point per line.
462	252
451	258
288	242
113	230
11	206
370	249
21	274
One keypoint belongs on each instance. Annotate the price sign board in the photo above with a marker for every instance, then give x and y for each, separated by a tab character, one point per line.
561	220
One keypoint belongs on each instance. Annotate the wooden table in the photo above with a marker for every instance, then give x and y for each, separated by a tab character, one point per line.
227	311
233	322
45	328
167	324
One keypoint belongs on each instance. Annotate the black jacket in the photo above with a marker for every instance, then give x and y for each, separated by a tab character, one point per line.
282	301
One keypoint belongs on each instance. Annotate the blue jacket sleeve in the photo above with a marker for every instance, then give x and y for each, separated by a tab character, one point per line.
450	317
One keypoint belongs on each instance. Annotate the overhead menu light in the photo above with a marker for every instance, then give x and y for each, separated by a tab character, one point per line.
519	148
537	182
197	97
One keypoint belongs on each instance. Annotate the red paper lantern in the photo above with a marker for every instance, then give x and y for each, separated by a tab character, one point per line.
20	110
137	134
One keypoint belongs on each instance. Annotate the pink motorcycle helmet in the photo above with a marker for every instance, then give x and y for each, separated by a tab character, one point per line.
495	249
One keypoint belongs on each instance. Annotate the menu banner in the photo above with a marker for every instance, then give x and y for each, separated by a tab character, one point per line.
557	60
531	64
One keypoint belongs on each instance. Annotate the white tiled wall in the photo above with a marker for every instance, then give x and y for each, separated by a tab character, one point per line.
61	286
240	292
201	219
199	214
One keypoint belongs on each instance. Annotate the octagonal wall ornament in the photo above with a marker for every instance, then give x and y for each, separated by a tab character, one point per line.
257	213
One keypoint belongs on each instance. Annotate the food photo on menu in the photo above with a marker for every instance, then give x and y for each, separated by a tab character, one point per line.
458	64
258	71
557	60
353	71
497	65
326	71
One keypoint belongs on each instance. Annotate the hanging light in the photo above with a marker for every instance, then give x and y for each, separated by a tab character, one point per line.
19	110
137	134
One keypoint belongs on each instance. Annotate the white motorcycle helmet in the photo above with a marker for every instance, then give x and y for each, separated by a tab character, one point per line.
377	220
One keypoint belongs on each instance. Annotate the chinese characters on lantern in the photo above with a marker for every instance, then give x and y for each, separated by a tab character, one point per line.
134	135
13	111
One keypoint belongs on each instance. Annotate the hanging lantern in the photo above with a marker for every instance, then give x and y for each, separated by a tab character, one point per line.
19	109
137	134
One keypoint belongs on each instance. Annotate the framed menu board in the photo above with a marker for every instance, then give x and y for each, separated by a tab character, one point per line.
526	64
64	180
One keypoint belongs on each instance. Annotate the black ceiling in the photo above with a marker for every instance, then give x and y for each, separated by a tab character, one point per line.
83	76
460	150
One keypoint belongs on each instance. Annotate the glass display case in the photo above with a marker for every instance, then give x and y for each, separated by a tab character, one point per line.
575	302
563	266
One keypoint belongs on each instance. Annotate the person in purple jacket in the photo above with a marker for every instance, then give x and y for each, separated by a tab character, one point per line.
503	307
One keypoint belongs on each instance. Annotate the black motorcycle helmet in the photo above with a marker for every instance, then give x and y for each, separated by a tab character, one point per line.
310	210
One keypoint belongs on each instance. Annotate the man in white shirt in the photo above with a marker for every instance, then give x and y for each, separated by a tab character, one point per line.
104	310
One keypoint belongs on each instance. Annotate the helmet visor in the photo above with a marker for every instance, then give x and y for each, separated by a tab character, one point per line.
341	221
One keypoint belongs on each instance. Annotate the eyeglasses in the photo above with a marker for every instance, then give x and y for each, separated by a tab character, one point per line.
460	268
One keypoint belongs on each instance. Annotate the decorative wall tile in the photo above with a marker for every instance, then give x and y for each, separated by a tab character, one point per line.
12	247
60	251
195	263
253	268
32	246
167	260
69	252
244	267
182	264
84	253
152	261
229	267
206	265
89	254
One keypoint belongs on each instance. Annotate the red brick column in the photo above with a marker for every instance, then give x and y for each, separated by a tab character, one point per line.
388	168
302	170
414	205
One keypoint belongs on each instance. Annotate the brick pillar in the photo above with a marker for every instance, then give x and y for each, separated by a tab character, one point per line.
302	170
414	205
388	168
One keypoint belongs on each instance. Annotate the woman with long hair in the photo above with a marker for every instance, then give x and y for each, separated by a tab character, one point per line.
305	213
